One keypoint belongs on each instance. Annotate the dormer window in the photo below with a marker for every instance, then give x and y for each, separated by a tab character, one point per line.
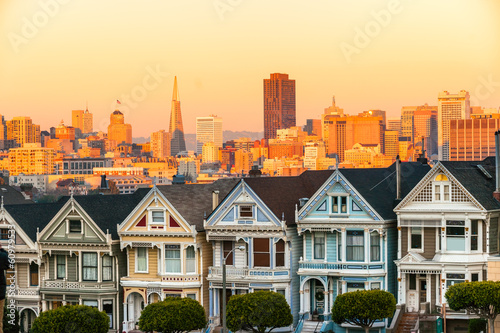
246	211
75	226
442	188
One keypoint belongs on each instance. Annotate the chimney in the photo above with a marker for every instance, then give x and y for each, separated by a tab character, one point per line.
496	194
398	178
104	184
215	199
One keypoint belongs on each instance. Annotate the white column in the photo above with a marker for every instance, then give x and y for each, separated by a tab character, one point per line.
402	288
467	234
44	306
301	294
443	234
429	288
366	244
343	236
99	267
327	302
399	242
80	266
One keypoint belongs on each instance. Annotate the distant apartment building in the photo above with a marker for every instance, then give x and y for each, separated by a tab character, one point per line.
394	124
123	171
294	133
160	144
208	129
189	167
65	132
450	106
81	166
285	148
210	153
279	104
22	130
82	121
243	161
342	132
391	143
472	139
313	127
31	159
313	153
118	131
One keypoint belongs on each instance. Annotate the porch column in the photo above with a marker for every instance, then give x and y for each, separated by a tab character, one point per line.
301	293
44	306
428	295
402	288
327	302
125	311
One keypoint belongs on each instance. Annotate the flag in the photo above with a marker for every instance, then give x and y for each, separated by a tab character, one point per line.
118	102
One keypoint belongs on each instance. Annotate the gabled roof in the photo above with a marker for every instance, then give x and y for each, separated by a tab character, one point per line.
107	211
378	185
475	181
281	194
194	201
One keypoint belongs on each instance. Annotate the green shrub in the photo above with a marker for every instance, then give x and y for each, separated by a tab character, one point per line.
72	319
10	319
173	314
477	325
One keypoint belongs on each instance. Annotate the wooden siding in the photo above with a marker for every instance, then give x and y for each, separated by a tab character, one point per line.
152	264
404	241
72	269
429	243
295	254
23	275
494	237
205	261
51	267
433	291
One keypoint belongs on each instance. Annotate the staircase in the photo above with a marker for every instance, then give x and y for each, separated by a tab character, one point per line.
311	326
408	321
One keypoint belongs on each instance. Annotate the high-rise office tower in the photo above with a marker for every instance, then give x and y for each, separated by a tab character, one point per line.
279	104
177	143
82	120
118	131
160	144
473	139
208	129
394	124
450	106
425	127
22	130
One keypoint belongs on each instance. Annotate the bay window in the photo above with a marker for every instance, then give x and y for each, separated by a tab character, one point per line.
280	253
453	278
416	238
172	258
141	260
261	252
455	235
89	266
355	245
107	268
190	260
227	247
374	246
61	266
474	230
319	245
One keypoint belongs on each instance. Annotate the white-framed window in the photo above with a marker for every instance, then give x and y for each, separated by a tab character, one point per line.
192	296
339	204
107	268
245	211
339	246
454	278
474	235
355	286
375	285
89	269
441	188
141	260
455	236
61	266
157	217
91	303
319	245
190	259
107	307
355	246
416	238
475	276
75	226
173	259
280	253
374	246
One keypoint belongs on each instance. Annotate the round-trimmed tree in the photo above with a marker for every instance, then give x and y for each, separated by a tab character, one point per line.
259	312
173	315
479	297
71	319
363	307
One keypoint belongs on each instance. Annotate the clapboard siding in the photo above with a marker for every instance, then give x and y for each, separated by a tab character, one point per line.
72	268
429	243
23	275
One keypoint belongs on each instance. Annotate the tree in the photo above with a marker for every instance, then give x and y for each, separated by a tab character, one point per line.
259	312
71	319
173	315
10	319
363	307
479	297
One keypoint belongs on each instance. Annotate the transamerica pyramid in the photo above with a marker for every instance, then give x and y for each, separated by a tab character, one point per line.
177	143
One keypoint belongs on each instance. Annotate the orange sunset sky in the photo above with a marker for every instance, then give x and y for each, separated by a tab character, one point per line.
57	54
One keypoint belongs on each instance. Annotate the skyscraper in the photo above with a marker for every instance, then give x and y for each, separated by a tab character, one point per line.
177	143
22	130
82	120
279	104
160	144
208	129
450	106
118	131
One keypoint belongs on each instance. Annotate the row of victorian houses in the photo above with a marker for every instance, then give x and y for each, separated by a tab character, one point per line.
410	229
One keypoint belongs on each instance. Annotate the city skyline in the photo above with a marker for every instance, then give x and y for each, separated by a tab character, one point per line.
66	61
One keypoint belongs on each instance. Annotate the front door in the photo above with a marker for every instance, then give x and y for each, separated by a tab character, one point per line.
412	294
423	291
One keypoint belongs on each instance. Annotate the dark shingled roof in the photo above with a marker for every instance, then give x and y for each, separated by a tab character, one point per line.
12	197
475	181
281	194
378	185
106	210
193	201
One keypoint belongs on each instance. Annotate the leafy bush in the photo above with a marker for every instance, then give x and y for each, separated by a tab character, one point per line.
10	319
260	311
363	307
173	315
72	319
